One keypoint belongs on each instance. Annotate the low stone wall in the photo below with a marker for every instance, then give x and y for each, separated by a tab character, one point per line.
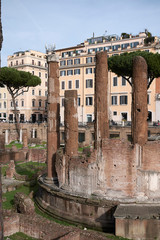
43	229
37	155
93	212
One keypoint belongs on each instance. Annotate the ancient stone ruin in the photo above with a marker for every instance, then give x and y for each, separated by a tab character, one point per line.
117	187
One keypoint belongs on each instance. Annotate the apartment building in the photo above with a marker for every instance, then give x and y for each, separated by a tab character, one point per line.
77	71
3	103
32	104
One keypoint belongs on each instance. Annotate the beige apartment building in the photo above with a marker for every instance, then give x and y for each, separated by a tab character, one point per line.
32	104
77	71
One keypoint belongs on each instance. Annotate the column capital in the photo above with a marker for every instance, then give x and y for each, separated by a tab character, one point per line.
52	58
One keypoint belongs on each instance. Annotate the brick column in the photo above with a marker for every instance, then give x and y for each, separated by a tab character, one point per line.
2	142
101	99
25	139
139	101
71	122
53	140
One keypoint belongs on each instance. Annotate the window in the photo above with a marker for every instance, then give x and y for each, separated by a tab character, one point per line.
22	61
124	116
123	100
114	100
39	74
89	117
78	101
89	60
62	102
32	62
40	103
46	104
115	113
69	72
40	92
45	75
89	83
76	71
16	62
63	85
39	63
89	101
11	63
0	95
123	81
33	103
4	95
0	104
77	84
77	61
22	103
69	62
32	72
46	84
33	92
148	99
62	73
45	64
63	63
16	103
88	70
69	84
115	83
11	104
46	93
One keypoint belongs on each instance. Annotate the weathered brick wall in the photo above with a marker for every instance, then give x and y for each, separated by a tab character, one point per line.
37	155
118	170
151	156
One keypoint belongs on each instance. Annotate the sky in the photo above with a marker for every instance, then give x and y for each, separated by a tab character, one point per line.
31	24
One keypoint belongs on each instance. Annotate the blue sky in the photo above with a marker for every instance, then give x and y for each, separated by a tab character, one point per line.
30	24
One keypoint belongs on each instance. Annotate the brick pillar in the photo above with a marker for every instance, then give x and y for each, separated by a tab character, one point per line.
101	99
2	142
139	101
53	137
25	139
71	122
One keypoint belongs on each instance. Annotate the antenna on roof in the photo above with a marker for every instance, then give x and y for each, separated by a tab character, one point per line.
105	33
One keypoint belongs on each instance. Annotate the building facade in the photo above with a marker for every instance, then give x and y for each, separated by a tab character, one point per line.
77	71
32	105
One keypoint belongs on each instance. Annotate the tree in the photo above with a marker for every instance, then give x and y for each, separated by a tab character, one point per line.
122	65
17	82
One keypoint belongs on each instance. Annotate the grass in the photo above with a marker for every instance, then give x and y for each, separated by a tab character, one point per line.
19	145
29	168
9	203
20	236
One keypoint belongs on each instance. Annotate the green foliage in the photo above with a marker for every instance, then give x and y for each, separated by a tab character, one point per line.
122	64
11	77
29	168
8	204
20	236
124	35
149	40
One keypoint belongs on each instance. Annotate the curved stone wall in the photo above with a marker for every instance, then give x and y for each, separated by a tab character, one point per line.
93	212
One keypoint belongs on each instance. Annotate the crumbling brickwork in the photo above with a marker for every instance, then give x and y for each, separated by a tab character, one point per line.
71	123
139	101
53	115
101	98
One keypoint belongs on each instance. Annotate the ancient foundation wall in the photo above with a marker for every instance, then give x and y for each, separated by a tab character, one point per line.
138	228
